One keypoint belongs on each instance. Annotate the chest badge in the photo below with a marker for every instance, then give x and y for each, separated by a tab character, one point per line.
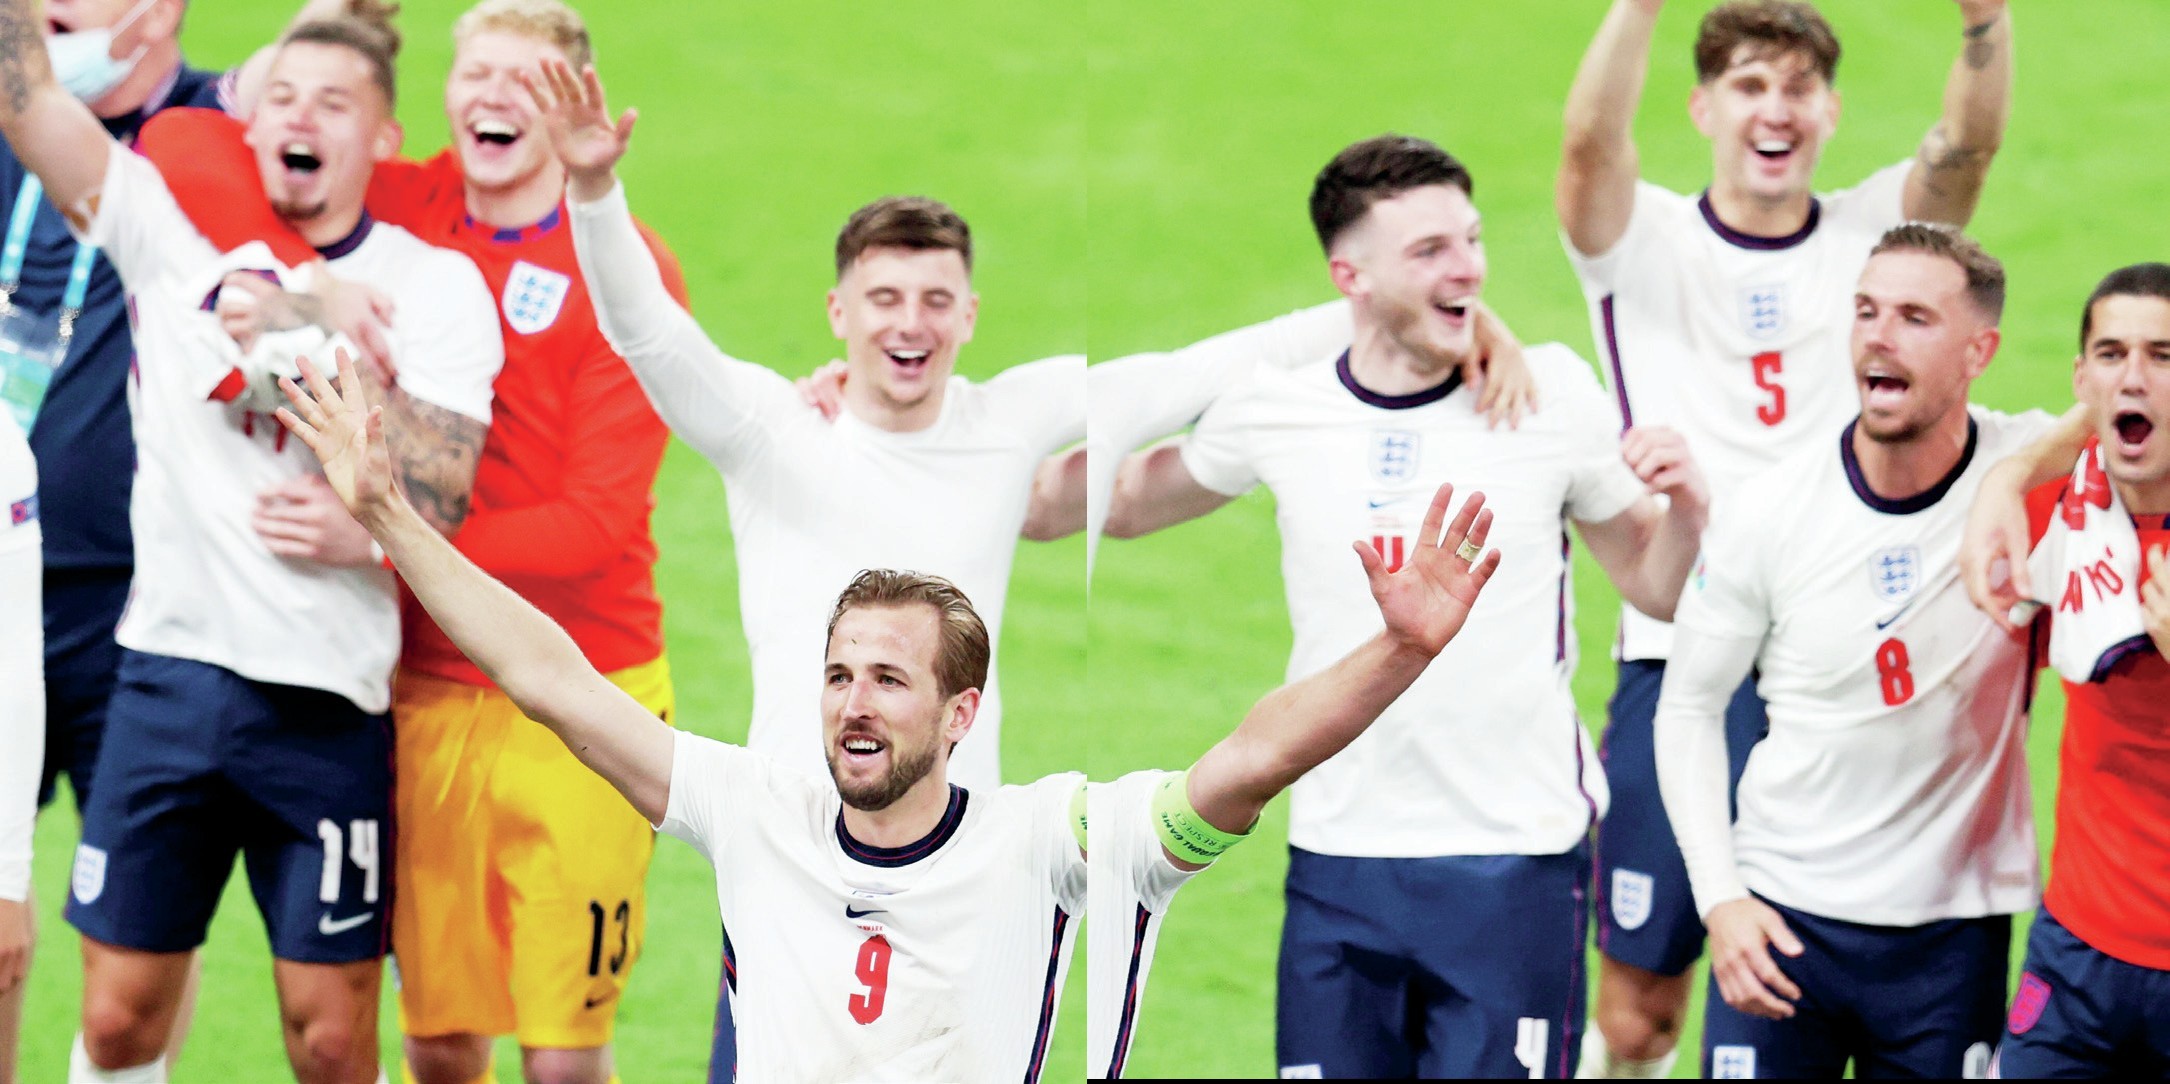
1763	310
1394	454
533	296
1895	572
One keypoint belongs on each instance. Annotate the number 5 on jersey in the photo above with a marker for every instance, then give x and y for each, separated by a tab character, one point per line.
1766	369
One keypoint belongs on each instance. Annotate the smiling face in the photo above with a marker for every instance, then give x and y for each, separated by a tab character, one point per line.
1919	340
494	127
1412	266
2123	375
321	127
903	313
886	724
1767	115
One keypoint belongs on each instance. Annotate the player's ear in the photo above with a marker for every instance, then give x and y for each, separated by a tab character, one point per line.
1831	112
1347	277
389	136
971	316
162	20
958	713
836	311
1982	350
1699	108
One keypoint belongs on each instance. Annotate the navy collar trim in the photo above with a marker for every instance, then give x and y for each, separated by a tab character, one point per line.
1395	402
893	857
1910	505
1752	242
505	236
351	241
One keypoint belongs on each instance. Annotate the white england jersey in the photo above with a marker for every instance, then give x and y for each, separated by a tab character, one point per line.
206	588
812	503
22	659
1132	884
939	960
1484	754
1739	343
1892	788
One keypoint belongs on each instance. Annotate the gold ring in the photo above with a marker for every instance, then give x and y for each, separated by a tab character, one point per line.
1468	552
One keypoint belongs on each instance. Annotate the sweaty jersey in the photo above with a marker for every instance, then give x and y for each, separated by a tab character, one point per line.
1892	788
1132	884
1739	343
206	586
937	960
2109	868
22	659
812	502
1484	754
564	486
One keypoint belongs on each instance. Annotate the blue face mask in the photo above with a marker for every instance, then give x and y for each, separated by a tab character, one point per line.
83	60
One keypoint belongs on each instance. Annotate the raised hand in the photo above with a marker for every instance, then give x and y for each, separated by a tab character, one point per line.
1659	456
823	389
1426	601
1498	369
347	436
586	140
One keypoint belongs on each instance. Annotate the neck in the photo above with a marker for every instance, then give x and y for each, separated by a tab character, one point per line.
2145	498
521	203
1384	365
327	228
907	820
1897	471
156	67
1759	217
866	402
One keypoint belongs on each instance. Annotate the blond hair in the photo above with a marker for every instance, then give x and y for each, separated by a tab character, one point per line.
546	20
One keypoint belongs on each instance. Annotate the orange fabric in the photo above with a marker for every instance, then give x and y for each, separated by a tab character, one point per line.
2109	869
564	489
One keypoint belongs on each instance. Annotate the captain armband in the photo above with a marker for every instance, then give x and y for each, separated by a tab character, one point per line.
1186	834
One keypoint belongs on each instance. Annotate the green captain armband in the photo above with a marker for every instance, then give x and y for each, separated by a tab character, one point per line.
1077	816
1185	833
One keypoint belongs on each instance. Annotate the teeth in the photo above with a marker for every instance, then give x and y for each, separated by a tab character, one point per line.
908	355
1773	146
495	128
862	746
298	147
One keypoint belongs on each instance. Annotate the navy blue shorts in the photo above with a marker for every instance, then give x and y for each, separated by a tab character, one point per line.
2080	1012
82	606
200	763
723	1043
1914	1001
1645	912
1432	967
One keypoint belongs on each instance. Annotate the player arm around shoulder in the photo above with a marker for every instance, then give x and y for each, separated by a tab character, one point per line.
1993	552
1595	191
1648	550
54	135
521	650
1296	727
1946	181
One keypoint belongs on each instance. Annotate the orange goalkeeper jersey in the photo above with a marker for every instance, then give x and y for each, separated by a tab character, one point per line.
563	492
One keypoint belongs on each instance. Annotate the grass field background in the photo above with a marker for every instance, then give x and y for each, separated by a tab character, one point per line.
762	128
1206	124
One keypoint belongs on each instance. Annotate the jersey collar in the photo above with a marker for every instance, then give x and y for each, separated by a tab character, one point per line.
893	857
1395	402
351	241
1752	242
1925	499
521	235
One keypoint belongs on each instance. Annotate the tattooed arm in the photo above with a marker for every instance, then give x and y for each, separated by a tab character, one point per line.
1946	181
55	135
434	452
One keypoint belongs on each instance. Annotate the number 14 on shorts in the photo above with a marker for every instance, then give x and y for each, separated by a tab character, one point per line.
356	844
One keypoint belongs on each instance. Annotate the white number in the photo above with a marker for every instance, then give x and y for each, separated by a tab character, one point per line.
1530	1034
362	851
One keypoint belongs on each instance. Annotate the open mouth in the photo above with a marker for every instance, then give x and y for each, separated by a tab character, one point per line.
910	361
860	748
2133	429
300	158
1453	310
495	133
1774	150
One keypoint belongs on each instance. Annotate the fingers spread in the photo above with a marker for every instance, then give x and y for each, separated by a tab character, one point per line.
1434	515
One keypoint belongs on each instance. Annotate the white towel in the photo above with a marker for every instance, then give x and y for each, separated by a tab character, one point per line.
2088	567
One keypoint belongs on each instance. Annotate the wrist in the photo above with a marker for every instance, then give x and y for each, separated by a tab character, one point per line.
588	186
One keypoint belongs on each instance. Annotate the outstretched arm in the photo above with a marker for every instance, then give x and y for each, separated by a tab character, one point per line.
521	650
1058	497
55	135
1993	552
1595	192
1946	181
1154	490
1298	726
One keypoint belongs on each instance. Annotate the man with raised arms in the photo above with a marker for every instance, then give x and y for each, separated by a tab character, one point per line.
246	671
1860	906
1477	784
1724	316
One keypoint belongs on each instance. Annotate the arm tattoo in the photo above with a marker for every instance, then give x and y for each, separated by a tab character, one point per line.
1942	163
1980	50
22	48
437	451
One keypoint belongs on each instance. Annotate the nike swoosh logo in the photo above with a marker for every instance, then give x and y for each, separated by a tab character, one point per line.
849	913
1384	503
604	1000
329	928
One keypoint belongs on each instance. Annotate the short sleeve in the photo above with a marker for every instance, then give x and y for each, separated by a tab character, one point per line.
707	779
137	224
451	353
1727	595
1066	863
1217	452
1044	399
1876	204
1600	485
1600	271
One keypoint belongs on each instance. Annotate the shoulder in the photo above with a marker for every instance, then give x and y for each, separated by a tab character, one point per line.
417	267
2000	434
1878	201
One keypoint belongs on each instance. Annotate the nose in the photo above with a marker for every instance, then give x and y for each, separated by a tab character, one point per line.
1876	333
858	699
912	318
2132	375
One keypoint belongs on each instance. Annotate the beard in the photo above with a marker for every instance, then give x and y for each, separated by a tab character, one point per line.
905	772
293	211
1407	326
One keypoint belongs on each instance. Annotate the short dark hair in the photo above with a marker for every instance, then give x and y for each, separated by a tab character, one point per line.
2137	280
367	29
1985	273
960	658
1768	27
1378	168
913	222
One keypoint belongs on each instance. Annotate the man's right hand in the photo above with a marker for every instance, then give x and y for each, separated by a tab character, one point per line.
347	436
1428	598
1742	934
823	389
1993	551
586	140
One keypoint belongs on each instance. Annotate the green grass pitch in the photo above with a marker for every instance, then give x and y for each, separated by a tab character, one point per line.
1206	124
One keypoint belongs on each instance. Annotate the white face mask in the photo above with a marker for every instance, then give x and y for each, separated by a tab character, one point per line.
83	60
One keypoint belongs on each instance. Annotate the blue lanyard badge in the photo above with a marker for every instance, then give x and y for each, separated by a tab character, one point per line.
28	352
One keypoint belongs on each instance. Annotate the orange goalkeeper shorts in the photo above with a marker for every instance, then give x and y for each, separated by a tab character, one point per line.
519	904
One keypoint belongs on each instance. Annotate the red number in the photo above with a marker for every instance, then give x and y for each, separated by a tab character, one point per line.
874	971
1767	369
1390	550
1892	673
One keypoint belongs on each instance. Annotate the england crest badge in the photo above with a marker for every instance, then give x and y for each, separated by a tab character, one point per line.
1394	454
1763	310
1631	893
533	296
1894	572
89	879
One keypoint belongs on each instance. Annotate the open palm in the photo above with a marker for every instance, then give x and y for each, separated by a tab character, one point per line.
345	432
1427	599
586	140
